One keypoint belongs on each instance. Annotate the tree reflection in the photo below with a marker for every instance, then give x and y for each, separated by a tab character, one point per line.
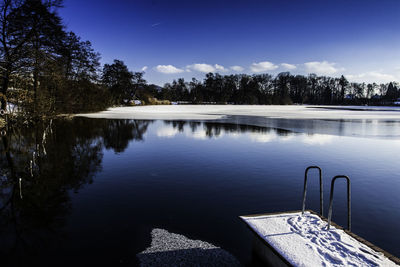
41	165
214	129
118	133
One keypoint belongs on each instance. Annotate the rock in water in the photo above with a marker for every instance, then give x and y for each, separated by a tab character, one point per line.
169	249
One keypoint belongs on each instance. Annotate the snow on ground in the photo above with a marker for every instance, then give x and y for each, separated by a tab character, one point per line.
169	249
304	241
213	112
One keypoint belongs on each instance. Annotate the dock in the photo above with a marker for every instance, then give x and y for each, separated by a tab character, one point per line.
306	238
295	239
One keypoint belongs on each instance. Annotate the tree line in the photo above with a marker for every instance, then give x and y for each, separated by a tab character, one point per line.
283	88
47	70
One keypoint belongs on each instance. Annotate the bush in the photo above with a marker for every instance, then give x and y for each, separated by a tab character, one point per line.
2	123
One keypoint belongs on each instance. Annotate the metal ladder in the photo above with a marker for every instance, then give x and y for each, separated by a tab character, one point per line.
348	201
321	193
321	196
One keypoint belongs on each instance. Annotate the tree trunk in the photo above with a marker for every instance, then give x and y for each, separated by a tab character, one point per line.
4	89
35	87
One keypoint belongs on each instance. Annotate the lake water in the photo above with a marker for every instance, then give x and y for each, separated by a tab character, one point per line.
98	187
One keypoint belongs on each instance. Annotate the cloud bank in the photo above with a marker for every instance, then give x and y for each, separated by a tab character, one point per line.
372	76
237	68
206	68
263	66
168	69
322	67
288	66
318	67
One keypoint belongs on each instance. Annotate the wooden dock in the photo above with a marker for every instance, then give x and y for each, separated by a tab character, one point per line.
292	239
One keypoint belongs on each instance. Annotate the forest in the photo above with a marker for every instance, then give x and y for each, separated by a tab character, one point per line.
46	70
282	89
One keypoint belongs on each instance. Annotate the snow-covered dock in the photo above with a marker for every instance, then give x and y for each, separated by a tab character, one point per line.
290	238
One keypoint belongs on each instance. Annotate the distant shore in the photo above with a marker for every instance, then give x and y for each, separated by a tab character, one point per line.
216	112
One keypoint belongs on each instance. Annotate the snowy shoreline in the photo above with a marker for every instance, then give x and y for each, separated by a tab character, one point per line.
327	120
215	112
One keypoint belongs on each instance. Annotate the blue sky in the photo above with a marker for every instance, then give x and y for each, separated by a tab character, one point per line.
173	39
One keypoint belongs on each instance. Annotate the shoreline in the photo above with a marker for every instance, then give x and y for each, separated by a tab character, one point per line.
216	112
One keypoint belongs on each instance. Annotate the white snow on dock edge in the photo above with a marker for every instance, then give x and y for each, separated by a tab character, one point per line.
303	240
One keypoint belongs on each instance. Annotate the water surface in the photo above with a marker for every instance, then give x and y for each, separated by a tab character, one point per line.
98	187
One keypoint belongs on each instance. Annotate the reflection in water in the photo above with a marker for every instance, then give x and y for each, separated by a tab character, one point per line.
39	166
211	130
204	130
118	133
42	164
359	128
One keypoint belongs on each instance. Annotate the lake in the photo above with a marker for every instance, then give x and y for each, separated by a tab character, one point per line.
89	191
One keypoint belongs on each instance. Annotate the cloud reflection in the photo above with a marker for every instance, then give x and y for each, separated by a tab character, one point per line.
317	139
167	131
207	130
262	137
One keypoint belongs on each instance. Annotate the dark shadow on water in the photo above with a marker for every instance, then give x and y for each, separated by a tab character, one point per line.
40	166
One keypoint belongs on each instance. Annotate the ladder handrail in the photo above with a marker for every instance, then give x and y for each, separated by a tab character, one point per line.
321	193
348	201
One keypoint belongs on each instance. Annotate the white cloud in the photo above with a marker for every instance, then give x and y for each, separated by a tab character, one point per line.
372	76
263	66
288	66
220	68
237	68
155	24
168	69
144	68
322	67
206	68
202	67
